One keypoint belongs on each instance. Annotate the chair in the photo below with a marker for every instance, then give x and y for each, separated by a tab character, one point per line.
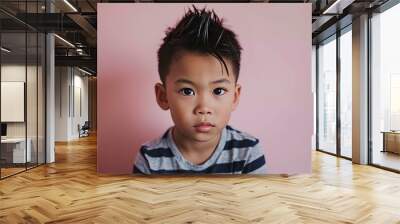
84	130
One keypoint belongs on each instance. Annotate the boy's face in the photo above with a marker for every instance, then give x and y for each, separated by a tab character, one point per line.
199	94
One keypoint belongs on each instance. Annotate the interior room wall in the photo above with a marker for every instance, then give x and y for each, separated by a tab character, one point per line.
92	108
62	80
16	72
80	109
32	127
69	84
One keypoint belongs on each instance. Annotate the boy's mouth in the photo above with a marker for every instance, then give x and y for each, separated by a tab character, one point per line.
203	127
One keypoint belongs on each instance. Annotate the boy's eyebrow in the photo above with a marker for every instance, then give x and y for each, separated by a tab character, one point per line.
221	81
184	81
213	82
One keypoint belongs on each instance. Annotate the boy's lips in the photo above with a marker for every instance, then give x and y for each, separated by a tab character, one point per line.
203	127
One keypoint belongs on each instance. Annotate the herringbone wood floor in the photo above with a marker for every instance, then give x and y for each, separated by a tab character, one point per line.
70	191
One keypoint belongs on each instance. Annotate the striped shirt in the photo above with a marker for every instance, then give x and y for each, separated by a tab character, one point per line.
236	153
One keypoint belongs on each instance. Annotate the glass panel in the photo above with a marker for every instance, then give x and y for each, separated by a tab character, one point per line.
31	100
32	86
22	87
41	98
346	93
13	87
327	96
386	89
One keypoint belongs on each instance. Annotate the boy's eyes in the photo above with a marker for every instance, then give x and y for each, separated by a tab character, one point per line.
190	92
219	91
187	92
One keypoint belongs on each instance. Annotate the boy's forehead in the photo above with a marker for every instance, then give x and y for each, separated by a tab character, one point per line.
199	67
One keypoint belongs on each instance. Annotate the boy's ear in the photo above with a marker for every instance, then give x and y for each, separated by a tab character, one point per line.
236	98
161	96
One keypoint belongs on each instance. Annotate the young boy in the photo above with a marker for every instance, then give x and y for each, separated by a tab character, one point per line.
198	64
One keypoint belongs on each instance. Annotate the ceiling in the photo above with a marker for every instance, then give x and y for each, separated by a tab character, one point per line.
76	22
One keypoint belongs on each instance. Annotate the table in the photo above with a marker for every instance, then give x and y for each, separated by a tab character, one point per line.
15	148
391	141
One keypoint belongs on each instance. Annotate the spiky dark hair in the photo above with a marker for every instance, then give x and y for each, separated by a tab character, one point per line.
199	31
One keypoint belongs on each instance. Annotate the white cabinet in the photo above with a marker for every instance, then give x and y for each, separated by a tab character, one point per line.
17	145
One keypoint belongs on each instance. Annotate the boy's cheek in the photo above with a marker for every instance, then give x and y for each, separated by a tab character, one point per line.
181	110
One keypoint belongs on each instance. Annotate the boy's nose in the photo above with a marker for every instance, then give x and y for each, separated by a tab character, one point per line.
203	109
203	105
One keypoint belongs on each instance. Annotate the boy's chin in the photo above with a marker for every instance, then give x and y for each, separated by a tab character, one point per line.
204	137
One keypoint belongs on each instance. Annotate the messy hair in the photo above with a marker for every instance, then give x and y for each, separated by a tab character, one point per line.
199	31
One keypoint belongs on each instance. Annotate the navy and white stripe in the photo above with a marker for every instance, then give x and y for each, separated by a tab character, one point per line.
236	153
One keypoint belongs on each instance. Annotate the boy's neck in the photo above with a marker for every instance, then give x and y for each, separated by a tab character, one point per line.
195	151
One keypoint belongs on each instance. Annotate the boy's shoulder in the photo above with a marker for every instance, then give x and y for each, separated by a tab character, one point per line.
236	134
242	146
156	143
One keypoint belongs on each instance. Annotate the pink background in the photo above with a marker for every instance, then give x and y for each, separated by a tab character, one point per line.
276	102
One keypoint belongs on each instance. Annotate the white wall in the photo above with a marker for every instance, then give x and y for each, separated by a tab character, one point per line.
62	80
14	73
81	102
71	87
17	73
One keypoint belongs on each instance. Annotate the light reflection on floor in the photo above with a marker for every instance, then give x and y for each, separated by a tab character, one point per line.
386	159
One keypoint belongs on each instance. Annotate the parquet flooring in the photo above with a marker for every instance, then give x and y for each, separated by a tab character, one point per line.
70	191
10	171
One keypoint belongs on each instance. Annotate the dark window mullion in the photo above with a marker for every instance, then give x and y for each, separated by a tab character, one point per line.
26	86
369	91
316	96
338	92
0	96
37	89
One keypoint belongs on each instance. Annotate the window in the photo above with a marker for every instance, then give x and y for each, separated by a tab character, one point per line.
327	95
346	93
385	88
